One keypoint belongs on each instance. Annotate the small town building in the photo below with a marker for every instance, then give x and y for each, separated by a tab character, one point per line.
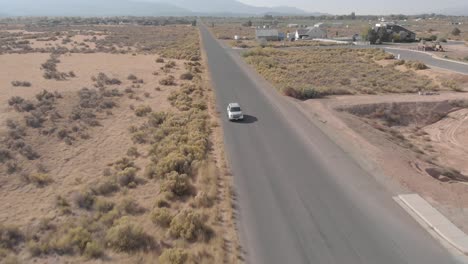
267	34
311	33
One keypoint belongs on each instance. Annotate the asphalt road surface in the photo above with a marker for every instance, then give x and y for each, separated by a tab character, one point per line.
429	60
300	198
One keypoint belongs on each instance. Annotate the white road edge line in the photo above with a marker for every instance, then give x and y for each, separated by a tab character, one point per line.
459	256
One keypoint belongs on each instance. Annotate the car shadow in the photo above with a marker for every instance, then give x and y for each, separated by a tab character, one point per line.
248	119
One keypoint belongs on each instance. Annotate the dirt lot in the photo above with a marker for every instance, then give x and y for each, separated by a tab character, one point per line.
411	143
94	153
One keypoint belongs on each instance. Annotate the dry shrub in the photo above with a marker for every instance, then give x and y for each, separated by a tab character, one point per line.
21	105
127	177
72	240
84	199
188	225
160	60
416	65
173	256
5	155
132	77
170	65
176	183
103	206
168	81
39	179
187	76
126	237
93	250
106	188
21	84
143	110
10	237
161	217
131	207
312	74
101	80
124	163
133	152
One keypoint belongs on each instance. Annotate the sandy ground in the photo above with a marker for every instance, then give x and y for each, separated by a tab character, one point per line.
80	164
74	167
400	169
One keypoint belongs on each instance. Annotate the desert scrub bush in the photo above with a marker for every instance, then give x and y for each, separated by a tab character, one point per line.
143	110
132	77
39	179
312	74
5	155
168	81
161	217
187	76
399	62
10	237
123	163
20	104
93	250
21	84
452	85
188	225
73	240
170	65
126	237
133	152
84	199
127	177
34	120
102	80
105	188
416	65
103	206
62	204
176	183
173	256
159	60
130	207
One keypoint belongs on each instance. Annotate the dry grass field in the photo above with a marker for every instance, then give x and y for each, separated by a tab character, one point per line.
311	73
107	149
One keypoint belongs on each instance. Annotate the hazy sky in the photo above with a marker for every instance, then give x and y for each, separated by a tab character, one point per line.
365	6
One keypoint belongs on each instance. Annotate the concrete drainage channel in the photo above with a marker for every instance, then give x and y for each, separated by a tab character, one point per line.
455	240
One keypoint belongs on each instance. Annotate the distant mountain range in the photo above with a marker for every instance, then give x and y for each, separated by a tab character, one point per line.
230	6
140	8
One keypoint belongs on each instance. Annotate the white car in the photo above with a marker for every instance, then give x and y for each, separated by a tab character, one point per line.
234	112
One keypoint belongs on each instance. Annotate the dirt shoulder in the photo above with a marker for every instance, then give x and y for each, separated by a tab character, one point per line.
402	167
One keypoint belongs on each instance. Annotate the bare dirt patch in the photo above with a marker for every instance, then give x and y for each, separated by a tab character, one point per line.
411	143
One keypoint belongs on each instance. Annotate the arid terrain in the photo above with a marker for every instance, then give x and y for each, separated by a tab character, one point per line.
110	149
399	119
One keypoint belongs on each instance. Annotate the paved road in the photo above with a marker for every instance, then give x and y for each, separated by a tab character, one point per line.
301	199
429	60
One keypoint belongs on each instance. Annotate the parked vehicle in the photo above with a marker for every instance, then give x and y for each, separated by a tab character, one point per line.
234	112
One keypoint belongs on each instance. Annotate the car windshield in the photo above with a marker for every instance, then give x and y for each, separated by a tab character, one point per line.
235	109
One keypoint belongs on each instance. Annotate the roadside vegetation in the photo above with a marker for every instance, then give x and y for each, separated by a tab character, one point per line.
123	170
314	73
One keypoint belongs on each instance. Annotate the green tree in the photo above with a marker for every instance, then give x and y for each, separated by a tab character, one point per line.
370	35
353	16
456	32
382	35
